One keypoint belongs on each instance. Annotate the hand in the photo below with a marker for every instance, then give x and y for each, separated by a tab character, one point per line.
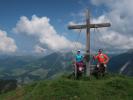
105	65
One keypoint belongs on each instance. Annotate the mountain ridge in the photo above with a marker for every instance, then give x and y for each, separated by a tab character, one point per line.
108	88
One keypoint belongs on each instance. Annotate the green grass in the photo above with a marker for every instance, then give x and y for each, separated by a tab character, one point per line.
108	88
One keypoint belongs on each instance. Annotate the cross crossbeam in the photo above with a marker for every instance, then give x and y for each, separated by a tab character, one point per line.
90	26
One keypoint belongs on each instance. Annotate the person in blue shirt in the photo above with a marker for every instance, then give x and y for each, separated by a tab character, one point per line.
79	57
79	60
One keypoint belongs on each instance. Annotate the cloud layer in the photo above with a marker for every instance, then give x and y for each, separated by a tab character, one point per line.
120	35
40	28
7	44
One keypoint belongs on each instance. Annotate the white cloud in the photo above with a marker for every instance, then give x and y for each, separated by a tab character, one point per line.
39	49
44	32
99	2
120	34
100	19
7	44
74	23
116	40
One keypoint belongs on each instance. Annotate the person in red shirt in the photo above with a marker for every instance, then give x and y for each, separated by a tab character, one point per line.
101	58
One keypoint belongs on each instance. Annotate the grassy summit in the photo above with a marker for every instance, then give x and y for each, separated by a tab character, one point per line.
109	88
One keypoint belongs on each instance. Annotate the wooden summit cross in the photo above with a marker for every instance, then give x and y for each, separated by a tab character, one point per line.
88	26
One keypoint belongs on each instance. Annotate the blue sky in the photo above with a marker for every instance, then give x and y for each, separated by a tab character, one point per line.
11	10
60	13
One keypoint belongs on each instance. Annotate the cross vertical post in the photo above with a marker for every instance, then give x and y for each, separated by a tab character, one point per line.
87	43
